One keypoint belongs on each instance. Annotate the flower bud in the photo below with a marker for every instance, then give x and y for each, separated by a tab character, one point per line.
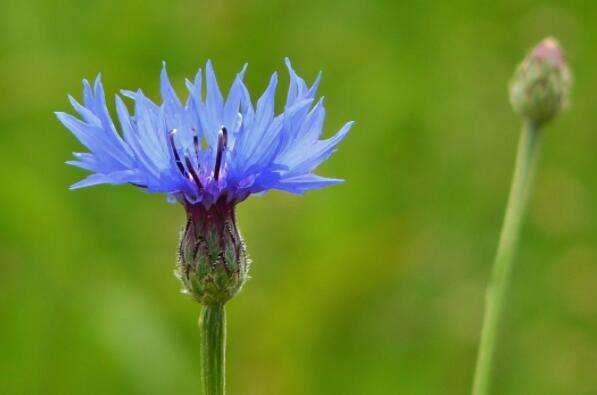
213	264
541	84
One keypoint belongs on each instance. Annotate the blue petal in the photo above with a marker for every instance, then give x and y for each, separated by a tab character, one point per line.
305	182
304	161
168	94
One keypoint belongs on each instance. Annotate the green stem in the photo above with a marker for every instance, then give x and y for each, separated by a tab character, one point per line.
213	349
526	159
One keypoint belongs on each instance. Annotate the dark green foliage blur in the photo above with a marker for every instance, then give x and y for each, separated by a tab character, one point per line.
372	287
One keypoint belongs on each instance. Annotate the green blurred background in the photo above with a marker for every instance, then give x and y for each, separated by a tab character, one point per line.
372	287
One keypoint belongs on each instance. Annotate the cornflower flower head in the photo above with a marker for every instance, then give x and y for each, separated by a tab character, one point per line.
208	153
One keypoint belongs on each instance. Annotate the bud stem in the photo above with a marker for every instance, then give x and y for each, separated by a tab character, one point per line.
213	349
526	159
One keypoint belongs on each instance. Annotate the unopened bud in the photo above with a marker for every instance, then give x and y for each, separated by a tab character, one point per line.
213	264
541	84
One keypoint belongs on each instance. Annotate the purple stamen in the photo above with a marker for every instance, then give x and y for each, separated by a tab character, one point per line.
175	152
193	172
196	145
222	142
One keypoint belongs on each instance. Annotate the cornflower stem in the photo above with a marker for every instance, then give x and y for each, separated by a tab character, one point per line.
213	349
497	288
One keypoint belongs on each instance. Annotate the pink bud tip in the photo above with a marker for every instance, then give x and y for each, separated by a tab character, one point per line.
550	50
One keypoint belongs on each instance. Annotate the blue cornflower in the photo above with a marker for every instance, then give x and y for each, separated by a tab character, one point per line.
207	149
208	154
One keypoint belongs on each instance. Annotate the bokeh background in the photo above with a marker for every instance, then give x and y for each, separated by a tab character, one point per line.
372	287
